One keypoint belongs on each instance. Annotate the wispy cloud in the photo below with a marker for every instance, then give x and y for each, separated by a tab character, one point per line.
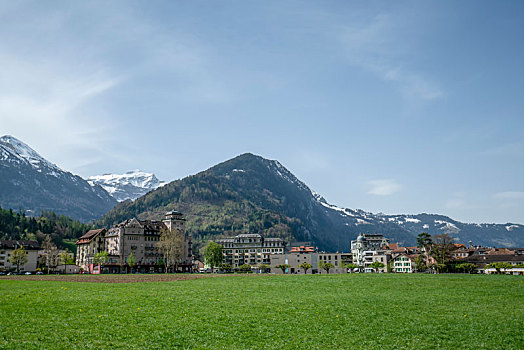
375	48
39	102
510	195
59	87
383	187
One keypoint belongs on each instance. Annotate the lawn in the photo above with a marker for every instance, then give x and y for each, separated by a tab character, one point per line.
382	311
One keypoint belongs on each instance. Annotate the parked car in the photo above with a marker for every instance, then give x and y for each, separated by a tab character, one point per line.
39	273
2	273
28	273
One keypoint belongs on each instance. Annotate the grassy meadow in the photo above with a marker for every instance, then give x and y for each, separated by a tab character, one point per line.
371	311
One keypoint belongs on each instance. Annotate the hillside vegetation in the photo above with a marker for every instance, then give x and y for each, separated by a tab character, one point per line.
16	225
252	194
219	202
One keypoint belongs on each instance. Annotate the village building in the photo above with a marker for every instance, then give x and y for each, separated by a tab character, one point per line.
8	246
338	260
365	246
404	263
481	260
381	257
87	246
295	258
138	238
52	259
250	248
461	251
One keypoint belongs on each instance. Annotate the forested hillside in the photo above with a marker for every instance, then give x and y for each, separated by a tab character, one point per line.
251	194
16	225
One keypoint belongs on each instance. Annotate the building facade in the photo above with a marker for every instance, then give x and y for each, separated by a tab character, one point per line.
87	246
251	249
136	238
404	263
8	246
365	246
295	259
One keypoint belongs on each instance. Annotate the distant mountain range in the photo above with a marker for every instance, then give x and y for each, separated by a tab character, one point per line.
31	183
245	194
252	194
130	185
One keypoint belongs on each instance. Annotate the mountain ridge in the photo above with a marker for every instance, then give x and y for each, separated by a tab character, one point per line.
249	193
30	182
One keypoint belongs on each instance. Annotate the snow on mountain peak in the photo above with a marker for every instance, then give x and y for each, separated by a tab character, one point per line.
19	151
130	185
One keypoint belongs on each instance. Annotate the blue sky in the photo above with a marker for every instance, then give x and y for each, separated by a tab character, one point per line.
394	107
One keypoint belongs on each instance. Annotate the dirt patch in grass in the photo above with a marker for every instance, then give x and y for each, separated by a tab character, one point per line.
111	278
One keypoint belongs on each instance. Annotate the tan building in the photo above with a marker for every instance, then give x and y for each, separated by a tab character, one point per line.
381	258
295	259
88	246
251	249
337	259
137	237
8	246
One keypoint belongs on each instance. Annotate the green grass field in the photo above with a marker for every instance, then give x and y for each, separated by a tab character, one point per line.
267	312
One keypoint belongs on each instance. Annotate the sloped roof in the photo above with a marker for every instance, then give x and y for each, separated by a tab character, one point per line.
14	244
491	258
88	237
501	251
248	235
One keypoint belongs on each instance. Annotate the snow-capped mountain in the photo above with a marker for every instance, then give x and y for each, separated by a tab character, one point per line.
405	228
130	185
32	183
15	151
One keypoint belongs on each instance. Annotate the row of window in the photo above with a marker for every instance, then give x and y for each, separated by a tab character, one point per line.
402	264
266	244
328	257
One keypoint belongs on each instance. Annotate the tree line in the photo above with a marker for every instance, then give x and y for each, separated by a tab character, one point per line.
17	225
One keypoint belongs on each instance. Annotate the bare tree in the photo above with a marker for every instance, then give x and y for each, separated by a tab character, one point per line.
171	245
51	254
442	247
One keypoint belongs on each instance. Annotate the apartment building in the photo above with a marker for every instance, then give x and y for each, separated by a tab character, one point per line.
250	248
137	237
367	245
296	258
8	246
88	246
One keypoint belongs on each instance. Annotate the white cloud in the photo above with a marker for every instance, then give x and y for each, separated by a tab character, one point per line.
384	187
